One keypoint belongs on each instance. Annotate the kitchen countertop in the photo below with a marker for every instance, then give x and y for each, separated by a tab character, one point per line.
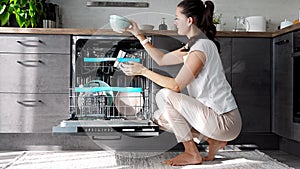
80	31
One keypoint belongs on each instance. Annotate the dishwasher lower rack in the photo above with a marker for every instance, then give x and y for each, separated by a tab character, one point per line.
109	103
100	110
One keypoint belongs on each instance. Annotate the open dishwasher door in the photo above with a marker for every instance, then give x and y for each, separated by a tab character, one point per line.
102	98
111	108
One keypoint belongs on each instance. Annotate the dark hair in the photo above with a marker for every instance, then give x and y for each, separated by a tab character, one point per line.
203	16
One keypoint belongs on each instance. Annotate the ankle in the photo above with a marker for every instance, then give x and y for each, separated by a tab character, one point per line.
212	141
190	147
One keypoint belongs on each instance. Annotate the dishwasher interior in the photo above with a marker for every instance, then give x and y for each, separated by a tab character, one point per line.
102	98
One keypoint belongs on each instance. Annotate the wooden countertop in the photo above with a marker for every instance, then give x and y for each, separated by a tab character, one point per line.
79	31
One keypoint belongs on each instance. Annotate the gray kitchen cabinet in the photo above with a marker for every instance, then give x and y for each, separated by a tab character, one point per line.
226	52
283	92
251	82
35	80
33	43
31	113
34	73
283	73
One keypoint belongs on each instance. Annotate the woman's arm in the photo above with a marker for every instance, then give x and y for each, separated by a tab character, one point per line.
191	68
171	58
186	75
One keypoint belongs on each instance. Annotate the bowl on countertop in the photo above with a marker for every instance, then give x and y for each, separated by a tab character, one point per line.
119	23
146	27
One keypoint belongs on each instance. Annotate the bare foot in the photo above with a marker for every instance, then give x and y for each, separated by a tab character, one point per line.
184	159
214	147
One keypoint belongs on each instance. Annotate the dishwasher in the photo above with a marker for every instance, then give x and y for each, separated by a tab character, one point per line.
104	103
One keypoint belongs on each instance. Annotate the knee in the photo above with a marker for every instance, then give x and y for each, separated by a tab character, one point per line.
162	95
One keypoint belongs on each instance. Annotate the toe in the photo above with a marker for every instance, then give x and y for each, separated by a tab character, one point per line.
167	162
207	159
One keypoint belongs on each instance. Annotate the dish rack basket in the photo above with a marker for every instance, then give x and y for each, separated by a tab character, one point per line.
109	103
99	89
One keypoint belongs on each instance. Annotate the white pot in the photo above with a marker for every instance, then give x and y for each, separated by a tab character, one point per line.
256	24
218	27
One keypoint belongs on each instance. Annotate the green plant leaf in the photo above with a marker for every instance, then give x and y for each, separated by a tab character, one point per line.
24	1
28	13
2	9
31	6
4	18
20	20
33	22
31	9
15	1
11	8
5	1
27	24
21	13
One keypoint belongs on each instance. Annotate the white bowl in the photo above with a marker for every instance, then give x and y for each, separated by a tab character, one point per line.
129	103
146	27
119	23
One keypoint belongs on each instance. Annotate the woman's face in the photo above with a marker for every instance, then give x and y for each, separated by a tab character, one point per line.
181	22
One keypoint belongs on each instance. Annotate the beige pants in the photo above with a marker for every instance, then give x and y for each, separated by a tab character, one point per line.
188	118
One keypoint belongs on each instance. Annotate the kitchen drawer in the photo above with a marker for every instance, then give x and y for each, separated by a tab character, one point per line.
26	43
28	113
35	73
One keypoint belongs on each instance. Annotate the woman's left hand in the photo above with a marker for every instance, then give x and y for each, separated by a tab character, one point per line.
133	29
132	68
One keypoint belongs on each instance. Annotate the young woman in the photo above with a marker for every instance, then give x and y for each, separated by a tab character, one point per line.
209	112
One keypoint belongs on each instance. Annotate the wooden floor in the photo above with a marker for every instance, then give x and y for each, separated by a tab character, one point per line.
284	157
132	160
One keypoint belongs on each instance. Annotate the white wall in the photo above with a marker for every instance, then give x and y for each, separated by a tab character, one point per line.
77	15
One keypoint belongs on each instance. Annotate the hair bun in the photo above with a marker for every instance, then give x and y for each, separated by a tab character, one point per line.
210	5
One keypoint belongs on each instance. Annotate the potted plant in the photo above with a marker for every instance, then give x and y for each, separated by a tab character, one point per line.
217	21
26	13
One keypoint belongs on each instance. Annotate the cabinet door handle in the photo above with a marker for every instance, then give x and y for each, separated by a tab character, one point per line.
30	103
296	54
282	42
30	63
30	43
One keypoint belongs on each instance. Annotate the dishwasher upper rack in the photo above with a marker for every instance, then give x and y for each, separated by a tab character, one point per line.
104	68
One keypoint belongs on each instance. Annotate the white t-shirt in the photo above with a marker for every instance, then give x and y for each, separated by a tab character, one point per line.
210	87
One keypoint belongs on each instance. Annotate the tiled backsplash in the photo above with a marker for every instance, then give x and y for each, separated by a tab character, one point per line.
77	15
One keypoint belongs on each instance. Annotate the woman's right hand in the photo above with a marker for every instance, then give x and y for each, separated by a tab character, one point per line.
133	29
